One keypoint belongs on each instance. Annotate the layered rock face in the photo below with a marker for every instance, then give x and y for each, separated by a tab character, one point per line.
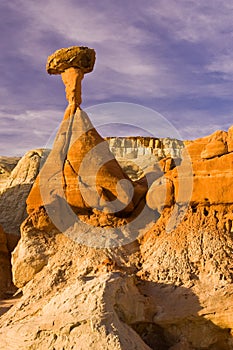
135	147
212	169
210	174
168	288
138	155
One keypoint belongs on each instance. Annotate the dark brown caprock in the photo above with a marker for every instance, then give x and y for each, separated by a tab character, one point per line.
72	63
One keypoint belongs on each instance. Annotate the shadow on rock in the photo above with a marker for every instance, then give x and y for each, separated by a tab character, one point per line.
172	320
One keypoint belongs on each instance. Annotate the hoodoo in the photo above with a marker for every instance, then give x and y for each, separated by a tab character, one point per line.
81	172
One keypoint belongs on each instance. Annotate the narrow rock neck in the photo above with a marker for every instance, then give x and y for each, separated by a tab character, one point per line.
72	79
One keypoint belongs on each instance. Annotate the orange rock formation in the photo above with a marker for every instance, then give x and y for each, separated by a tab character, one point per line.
81	170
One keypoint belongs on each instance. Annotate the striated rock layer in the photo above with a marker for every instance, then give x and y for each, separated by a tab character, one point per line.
141	155
136	146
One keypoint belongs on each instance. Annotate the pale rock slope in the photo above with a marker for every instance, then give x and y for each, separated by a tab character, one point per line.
16	189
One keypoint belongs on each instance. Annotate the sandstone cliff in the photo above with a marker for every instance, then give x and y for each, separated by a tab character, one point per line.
136	146
138	155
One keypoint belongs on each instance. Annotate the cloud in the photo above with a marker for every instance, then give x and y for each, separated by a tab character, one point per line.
222	64
195	20
78	23
120	114
130	57
203	33
114	34
196	123
32	129
29	130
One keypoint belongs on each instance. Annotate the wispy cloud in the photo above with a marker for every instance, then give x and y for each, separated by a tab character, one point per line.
114	33
222	64
200	123
195	20
24	131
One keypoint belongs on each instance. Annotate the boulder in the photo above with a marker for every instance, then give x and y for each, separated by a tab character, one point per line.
216	146
160	194
80	57
214	149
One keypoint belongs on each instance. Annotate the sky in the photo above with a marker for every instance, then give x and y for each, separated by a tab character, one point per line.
173	57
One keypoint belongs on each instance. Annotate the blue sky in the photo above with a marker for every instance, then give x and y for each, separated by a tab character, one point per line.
172	56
